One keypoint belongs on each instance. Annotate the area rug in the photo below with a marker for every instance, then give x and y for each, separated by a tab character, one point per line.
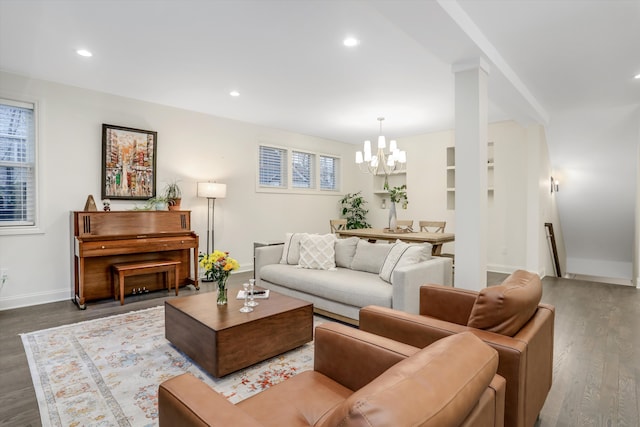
106	372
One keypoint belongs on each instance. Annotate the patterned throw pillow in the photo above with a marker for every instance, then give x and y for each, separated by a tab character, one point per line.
402	254
291	250
318	251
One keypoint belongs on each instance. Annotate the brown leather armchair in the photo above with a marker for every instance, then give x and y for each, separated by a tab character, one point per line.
359	379
508	317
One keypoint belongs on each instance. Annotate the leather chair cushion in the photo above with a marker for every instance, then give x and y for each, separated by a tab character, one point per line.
437	386
506	308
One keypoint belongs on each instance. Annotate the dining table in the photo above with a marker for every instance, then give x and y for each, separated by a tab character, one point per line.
375	234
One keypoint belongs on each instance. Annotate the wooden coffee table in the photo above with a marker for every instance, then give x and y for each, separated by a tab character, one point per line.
222	340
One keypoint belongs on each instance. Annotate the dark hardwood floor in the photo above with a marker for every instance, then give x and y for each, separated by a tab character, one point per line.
596	355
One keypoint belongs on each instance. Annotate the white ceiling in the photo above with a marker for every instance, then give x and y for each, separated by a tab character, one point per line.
568	64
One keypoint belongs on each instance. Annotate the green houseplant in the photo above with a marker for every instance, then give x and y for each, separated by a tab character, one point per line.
353	210
173	195
399	195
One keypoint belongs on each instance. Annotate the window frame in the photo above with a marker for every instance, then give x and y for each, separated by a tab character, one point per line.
315	178
35	228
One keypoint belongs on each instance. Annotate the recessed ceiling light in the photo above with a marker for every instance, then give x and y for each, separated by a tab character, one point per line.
84	52
637	76
234	93
351	42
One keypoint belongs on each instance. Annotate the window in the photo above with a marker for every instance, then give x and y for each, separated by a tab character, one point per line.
328	173
310	172
17	164
273	167
303	170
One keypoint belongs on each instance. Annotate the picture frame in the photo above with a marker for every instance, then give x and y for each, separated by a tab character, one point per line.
128	163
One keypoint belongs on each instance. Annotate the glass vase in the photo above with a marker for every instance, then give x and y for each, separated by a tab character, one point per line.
222	291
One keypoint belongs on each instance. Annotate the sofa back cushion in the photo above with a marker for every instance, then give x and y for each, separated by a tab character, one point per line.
291	249
345	250
402	254
369	257
506	308
437	386
317	251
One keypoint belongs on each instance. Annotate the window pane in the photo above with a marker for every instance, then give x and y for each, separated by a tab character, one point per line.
17	165
303	173
273	167
328	173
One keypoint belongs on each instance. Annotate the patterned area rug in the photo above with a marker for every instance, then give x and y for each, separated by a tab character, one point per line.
106	372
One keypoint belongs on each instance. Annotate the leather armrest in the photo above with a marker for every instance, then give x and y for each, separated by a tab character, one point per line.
447	303
353	358
186	401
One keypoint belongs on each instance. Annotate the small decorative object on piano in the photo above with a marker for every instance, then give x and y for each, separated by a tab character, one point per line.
90	204
106	205
217	267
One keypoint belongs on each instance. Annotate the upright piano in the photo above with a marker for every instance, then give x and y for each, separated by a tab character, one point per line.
101	239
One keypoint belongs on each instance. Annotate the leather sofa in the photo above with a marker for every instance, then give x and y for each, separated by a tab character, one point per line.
359	379
508	317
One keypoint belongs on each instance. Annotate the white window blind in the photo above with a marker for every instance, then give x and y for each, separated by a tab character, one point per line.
302	175
329	173
17	164
273	167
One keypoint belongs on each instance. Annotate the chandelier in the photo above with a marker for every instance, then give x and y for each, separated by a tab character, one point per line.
382	163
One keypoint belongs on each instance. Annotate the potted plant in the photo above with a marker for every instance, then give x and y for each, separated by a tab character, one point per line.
353	210
158	203
173	195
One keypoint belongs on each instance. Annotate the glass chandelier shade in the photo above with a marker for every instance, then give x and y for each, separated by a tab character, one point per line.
382	163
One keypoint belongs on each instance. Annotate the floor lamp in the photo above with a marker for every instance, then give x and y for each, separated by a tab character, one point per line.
211	191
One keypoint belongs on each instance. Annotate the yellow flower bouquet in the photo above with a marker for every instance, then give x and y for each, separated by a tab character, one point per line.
217	267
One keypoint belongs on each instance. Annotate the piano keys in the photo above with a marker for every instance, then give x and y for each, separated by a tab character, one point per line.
101	239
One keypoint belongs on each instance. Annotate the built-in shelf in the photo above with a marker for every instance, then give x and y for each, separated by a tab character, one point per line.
395	179
451	174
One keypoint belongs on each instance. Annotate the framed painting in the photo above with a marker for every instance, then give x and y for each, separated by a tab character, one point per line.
128	163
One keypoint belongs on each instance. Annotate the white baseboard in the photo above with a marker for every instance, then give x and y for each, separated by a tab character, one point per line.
7	303
505	269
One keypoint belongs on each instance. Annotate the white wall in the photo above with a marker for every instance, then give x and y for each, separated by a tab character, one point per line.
195	147
192	147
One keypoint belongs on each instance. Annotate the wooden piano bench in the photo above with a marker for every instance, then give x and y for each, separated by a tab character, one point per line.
120	271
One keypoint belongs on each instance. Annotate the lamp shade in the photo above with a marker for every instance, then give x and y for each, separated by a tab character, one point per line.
212	190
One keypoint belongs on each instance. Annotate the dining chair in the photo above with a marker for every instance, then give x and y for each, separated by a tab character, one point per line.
405	223
436	227
337	224
432	226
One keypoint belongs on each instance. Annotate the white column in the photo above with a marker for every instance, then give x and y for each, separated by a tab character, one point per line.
471	81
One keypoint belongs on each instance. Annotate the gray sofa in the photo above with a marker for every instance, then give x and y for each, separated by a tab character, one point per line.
387	275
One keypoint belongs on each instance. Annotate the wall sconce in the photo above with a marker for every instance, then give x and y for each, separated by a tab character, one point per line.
555	185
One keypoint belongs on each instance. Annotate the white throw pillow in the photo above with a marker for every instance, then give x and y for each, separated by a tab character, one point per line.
369	257
402	254
318	251
345	250
291	250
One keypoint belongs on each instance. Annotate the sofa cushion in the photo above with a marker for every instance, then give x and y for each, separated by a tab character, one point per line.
370	256
345	250
317	251
346	286
291	249
505	308
437	386
402	254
